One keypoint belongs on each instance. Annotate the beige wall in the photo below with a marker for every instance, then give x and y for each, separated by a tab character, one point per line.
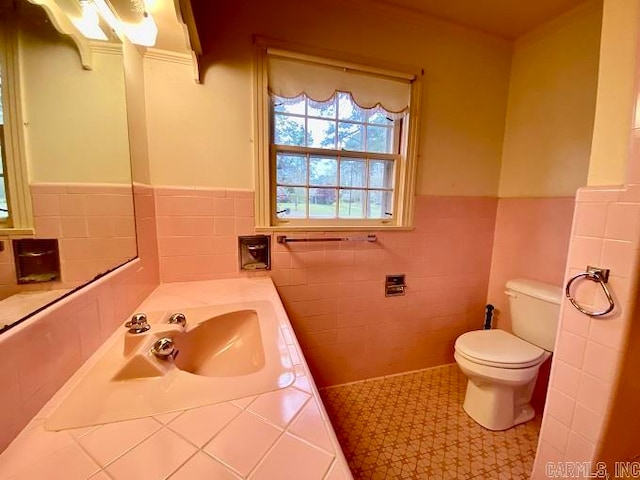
550	113
202	134
76	125
616	92
136	113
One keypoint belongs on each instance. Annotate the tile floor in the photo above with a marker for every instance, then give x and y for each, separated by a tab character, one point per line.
413	426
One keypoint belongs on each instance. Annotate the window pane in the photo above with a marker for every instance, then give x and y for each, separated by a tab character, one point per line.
3	201
347	109
291	169
352	173
380	173
379	204
322	202
323	171
322	133
289	130
379	139
351	204
379	118
285	105
322	109
291	202
350	136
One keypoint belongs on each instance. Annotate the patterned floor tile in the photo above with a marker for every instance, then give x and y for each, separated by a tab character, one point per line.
413	426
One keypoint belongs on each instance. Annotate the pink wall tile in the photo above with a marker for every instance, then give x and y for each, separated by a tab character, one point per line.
67	332
623	221
566	378
616	255
586	422
590	219
48	227
608	240
73	227
571	348
45	205
560	406
557	433
531	241
579	449
594	393
71	204
600	361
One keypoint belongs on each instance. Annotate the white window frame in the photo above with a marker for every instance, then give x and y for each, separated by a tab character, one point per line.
16	173
406	165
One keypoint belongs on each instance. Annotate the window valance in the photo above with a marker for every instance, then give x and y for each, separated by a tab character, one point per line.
292	74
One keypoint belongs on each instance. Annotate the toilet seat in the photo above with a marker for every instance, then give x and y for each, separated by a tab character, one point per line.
497	348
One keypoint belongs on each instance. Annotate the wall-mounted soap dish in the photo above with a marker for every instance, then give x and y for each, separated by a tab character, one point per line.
254	252
37	260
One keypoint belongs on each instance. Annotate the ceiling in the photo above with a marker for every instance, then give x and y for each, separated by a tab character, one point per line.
508	19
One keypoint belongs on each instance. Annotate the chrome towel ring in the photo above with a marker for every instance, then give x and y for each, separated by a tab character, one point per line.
595	274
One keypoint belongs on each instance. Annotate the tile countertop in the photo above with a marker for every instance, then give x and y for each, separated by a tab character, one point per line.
277	435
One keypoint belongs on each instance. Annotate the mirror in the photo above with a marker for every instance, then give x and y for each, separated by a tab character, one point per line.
77	154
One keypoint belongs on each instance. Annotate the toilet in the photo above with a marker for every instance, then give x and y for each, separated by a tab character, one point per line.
502	367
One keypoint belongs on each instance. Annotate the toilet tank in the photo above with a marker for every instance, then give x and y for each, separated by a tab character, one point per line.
535	310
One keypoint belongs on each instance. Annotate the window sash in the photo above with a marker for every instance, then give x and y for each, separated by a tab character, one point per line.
394	127
339	155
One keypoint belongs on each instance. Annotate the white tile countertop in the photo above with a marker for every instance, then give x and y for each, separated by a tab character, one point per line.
282	434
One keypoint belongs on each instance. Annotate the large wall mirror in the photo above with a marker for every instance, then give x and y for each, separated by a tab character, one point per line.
76	147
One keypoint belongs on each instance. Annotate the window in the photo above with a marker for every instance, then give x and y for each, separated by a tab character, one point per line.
15	200
336	145
4	205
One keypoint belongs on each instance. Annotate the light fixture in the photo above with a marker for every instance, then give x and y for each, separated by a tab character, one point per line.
143	33
89	22
127	18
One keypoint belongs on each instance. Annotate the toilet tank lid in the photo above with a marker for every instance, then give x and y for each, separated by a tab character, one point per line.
533	288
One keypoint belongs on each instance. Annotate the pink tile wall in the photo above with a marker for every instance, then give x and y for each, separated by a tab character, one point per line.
46	349
333	292
588	350
198	231
94	223
531	241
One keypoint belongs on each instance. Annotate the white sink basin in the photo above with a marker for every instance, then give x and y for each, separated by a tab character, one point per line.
226	352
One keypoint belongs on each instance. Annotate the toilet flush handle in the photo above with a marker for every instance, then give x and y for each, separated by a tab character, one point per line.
509	293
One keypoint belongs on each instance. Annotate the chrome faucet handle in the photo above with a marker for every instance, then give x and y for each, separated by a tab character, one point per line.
164	348
178	318
138	323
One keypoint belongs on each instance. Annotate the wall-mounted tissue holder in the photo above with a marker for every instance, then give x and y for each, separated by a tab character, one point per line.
254	252
394	285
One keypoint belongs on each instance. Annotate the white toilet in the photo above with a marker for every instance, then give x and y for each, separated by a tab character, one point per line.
503	367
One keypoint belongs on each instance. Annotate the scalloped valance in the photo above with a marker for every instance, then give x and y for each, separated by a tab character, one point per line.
291	75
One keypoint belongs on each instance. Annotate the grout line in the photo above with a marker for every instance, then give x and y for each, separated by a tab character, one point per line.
280	435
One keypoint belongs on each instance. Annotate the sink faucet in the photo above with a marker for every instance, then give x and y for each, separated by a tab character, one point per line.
178	318
138	323
164	348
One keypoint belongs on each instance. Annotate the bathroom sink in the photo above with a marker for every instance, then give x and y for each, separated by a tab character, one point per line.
224	346
225	352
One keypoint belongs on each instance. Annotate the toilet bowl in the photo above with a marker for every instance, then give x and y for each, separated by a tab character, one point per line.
501	367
